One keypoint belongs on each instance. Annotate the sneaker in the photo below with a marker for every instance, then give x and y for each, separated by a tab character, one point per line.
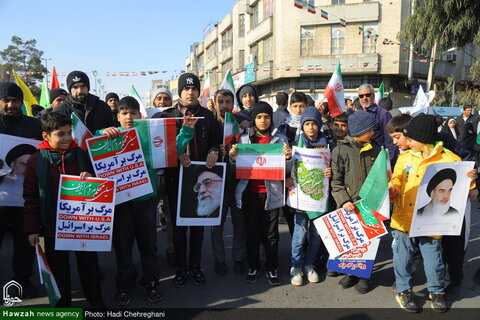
452	291
122	298
152	292
239	267
348	281
331	273
180	278
312	275
197	275
273	278
406	301
476	277
221	268
363	286
296	276
438	301
252	276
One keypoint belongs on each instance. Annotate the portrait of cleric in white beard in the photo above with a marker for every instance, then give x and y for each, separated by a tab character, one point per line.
201	192
439	189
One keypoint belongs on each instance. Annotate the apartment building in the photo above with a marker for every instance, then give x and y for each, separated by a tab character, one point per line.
279	47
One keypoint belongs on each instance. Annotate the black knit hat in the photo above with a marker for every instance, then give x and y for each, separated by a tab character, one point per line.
10	89
360	122
57	92
19	150
445	174
111	95
422	128
77	76
218	170
188	79
246	88
261	107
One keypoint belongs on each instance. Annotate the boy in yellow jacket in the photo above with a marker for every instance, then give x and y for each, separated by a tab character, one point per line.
407	175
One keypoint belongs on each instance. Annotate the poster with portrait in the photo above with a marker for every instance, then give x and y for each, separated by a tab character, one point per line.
310	190
85	210
441	200
14	154
200	194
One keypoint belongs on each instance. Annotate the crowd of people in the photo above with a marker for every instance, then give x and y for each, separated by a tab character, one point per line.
354	138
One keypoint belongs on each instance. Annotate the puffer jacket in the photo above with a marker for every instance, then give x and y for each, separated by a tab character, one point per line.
351	163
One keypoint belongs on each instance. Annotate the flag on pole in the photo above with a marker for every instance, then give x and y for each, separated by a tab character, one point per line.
335	94
231	131
228	84
324	14
47	278
28	98
380	93
374	191
158	140
343	23
134	93
55	83
300	4
260	161
44	95
80	132
206	91
311	6
421	102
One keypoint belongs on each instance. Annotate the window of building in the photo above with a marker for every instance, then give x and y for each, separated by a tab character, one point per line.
338	39
370	30
212	51
267	8
267	49
227	39
307	38
241	59
227	66
254	53
200	61
338	1
254	19
241	25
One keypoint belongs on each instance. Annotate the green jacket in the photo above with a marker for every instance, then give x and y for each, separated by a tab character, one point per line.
351	163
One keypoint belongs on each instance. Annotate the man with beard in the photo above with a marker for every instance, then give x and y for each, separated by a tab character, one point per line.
92	111
209	192
112	100
13	122
439	189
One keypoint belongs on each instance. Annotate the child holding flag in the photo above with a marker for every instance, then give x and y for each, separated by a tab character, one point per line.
262	198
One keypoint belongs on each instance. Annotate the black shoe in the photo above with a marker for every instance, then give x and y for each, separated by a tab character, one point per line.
239	267
406	300
348	281
476	277
364	285
273	278
452	291
333	274
122	298
197	275
180	278
152	292
252	276
221	268
438	301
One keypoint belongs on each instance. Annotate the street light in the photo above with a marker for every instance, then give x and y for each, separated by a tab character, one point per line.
46	66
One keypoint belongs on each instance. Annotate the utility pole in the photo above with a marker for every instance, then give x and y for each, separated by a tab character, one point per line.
46	66
410	54
431	67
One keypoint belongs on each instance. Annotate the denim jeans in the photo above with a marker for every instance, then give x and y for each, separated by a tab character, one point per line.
431	250
302	228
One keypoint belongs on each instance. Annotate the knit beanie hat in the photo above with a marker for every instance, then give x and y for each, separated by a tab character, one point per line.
445	174
188	79
57	92
261	107
158	91
10	89
360	122
246	88
19	150
75	77
111	95
311	114
422	128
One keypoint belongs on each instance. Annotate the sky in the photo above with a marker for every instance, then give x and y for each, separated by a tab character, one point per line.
112	35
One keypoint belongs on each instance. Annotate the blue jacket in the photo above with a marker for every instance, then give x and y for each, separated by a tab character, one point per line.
380	135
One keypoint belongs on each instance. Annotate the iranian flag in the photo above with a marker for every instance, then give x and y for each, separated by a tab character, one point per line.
261	161
228	84
47	278
334	93
206	91
231	131
134	93
80	132
158	140
374	191
380	93
300	3
311	6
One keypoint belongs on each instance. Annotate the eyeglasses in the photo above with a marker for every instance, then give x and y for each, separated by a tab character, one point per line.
208	183
14	100
368	95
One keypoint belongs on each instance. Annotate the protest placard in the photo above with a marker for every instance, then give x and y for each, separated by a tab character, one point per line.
121	159
85	214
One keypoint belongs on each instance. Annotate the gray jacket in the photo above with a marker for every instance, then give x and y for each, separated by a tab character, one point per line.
275	188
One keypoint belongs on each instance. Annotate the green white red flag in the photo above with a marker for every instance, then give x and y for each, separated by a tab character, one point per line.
334	93
80	132
158	140
260	161
47	278
206	91
143	110
231	130
228	84
300	3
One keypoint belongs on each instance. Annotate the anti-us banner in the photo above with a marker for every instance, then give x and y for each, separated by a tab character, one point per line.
158	139
85	214
343	230
121	159
310	192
